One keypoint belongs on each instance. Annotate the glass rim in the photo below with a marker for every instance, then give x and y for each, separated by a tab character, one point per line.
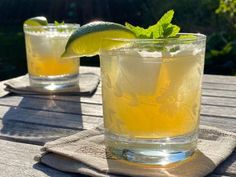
52	26
199	37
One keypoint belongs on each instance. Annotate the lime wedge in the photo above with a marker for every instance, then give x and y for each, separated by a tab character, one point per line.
87	40
36	21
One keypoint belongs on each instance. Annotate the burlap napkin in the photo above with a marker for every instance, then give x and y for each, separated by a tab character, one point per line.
87	84
85	153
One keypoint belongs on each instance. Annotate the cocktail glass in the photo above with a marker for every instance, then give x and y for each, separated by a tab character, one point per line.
151	90
44	46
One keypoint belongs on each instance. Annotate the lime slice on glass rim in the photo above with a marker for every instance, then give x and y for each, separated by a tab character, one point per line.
87	40
36	21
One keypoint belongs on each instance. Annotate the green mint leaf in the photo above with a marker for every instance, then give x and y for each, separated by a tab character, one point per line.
56	23
138	31
170	30
159	29
162	29
174	49
167	17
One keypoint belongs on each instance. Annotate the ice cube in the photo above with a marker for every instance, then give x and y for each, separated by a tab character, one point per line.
40	44
138	72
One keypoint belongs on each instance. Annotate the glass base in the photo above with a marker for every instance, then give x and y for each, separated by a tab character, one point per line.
54	82
152	151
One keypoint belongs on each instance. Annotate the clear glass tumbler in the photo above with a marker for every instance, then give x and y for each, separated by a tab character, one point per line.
44	46
151	90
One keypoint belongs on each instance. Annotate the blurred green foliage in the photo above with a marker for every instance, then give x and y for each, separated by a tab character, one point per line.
228	8
221	45
215	18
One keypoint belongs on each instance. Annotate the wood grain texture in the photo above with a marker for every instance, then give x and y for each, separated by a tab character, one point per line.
53	105
218	101
215	106
216	86
219	79
39	117
222	123
17	160
219	93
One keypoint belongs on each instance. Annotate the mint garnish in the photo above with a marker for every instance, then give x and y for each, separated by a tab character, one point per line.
59	26
56	23
162	29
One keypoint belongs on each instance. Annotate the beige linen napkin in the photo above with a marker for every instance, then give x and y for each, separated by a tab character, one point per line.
85	153
87	85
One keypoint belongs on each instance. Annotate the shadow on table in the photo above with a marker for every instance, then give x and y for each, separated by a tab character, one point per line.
223	168
37	120
53	172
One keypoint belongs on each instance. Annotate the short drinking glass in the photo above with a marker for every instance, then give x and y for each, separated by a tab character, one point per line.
151	91
44	46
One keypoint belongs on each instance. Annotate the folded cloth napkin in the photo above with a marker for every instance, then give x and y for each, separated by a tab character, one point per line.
85	153
87	85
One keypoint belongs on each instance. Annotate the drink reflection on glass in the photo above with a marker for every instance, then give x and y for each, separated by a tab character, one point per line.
151	92
44	46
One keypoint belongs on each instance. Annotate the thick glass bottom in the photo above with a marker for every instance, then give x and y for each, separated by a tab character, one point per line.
152	151
54	82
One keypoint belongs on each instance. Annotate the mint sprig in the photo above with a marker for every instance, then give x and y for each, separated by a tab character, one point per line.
59	26
56	23
162	29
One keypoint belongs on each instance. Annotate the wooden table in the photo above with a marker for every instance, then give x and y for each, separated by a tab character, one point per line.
27	122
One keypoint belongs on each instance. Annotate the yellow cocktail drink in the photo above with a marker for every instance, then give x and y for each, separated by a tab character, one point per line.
163	100
151	98
151	87
44	46
51	66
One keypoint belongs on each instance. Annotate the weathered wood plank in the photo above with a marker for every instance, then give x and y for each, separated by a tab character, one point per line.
96	98
53	105
49	125
219	79
214	106
222	123
17	159
217	86
39	134
210	91
28	131
59	120
32	133
219	93
219	111
38	127
218	101
20	123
